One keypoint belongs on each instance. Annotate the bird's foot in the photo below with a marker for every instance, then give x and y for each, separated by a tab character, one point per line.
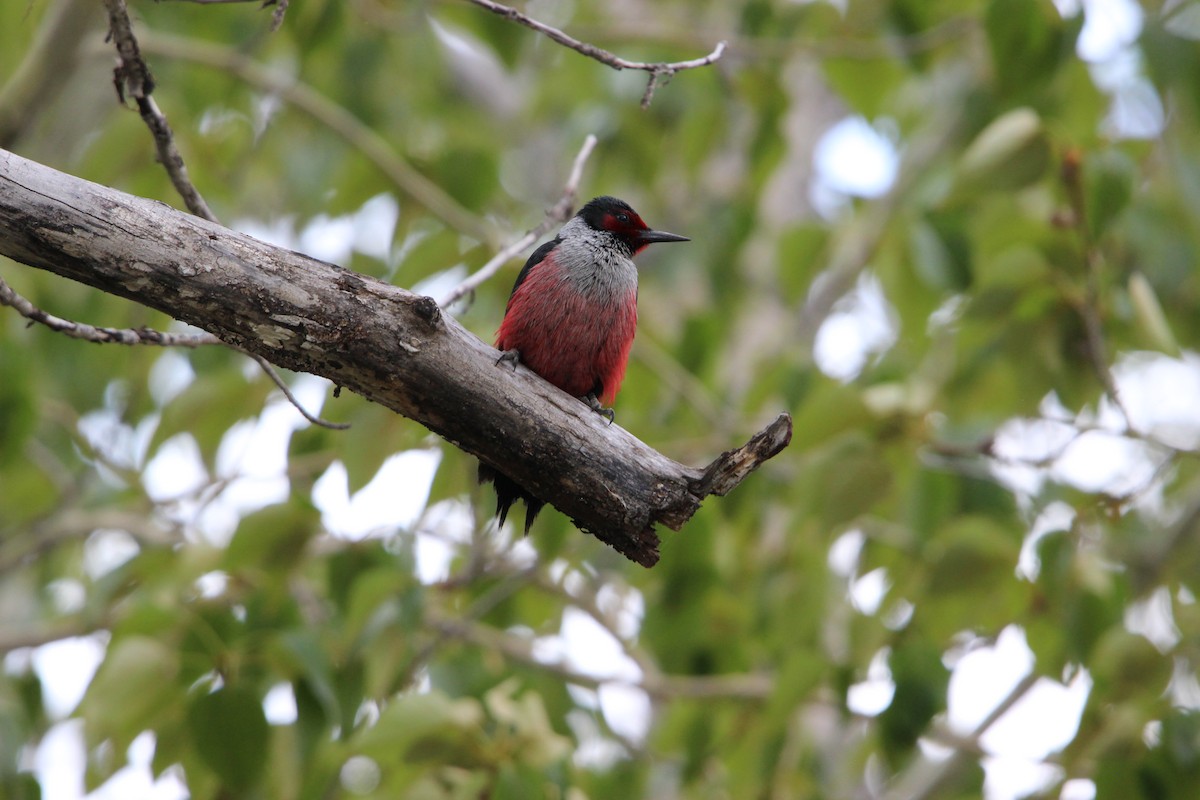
594	404
509	357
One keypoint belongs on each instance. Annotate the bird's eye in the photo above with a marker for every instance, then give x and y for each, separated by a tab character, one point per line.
623	218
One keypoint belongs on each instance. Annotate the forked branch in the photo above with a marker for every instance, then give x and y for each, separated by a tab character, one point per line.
659	70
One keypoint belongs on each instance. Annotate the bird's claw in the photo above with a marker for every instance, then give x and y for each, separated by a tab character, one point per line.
594	404
510	357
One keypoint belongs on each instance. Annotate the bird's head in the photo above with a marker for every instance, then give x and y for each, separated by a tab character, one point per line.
617	218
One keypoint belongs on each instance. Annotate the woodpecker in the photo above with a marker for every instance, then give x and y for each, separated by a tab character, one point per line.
572	315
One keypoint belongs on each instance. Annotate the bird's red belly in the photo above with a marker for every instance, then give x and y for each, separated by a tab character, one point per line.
575	343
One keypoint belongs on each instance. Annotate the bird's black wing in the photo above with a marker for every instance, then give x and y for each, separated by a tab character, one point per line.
535	258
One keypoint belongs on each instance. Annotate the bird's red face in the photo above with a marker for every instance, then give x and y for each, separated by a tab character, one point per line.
625	222
627	225
610	214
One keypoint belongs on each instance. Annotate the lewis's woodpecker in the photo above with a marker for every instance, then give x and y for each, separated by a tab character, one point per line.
572	315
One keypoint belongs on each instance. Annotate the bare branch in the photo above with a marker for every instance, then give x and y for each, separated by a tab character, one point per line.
287	392
281	7
144	336
559	213
299	94
854	244
883	47
13	639
23	546
1093	260
926	778
658	69
80	330
133	79
732	467
520	650
46	67
388	345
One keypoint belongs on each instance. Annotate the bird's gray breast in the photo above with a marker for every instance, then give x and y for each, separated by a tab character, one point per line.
597	265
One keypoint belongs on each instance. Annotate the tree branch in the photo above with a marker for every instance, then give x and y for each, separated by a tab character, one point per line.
89	333
854	244
387	344
14	639
145	336
132	79
742	687
291	398
561	212
337	118
658	70
926	778
46	67
1089	307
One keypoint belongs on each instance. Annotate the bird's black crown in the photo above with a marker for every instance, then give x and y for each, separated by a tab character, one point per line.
598	209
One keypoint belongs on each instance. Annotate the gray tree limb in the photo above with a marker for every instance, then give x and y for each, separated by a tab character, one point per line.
389	345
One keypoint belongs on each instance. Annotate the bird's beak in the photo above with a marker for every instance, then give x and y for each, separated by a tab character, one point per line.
649	237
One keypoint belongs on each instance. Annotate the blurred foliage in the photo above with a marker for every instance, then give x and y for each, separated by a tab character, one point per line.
1027	252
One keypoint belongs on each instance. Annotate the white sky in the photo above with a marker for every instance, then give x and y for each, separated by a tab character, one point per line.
856	158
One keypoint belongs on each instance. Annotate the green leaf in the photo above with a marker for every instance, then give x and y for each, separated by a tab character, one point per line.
133	689
829	409
1149	315
273	538
17	410
1181	747
849	478
524	714
1108	177
1010	153
420	719
940	253
1027	41
300	654
27	493
868	86
208	408
1124	663
230	732
971	552
921	681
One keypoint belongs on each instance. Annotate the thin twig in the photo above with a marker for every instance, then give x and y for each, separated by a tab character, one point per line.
1089	308
14	639
89	333
143	336
287	392
337	118
737	686
281	7
47	67
560	212
658	69
926	778
853	245
886	46
132	78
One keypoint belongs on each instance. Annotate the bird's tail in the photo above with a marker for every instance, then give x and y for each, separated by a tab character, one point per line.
508	492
